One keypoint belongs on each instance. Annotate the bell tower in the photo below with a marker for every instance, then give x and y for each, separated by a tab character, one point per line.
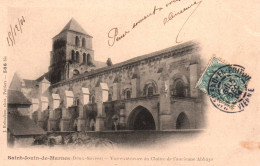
71	53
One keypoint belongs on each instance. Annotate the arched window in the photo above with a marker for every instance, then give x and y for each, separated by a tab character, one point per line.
150	91
150	88
84	58
83	43
89	60
128	94
73	55
77	102
93	99
77	41
179	88
75	72
77	56
109	97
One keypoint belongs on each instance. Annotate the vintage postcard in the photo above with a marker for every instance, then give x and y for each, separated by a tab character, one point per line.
160	82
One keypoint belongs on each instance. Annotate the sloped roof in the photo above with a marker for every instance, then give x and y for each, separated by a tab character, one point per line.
99	64
44	76
85	90
35	101
56	96
73	25
16	82
187	46
17	97
69	93
44	80
44	99
30	83
23	125
103	86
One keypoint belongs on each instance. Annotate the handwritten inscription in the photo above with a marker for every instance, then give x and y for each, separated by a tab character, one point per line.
172	15
12	33
147	16
114	36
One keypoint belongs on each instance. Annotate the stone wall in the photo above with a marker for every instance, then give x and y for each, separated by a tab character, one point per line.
147	71
163	84
62	65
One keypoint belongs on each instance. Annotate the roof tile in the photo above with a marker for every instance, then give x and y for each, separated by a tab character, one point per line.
73	25
23	125
17	97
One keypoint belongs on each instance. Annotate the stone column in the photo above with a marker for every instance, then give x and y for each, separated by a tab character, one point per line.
100	120
82	116
165	106
135	82
122	118
35	107
43	107
44	85
64	123
81	119
193	80
166	122
51	121
116	90
68	102
101	95
55	104
85	96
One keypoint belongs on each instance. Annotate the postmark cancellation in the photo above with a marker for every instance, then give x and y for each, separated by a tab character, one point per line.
226	85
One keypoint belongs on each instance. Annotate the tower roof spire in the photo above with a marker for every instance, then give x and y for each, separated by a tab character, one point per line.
73	25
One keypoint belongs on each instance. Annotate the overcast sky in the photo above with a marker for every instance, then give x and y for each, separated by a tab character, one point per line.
224	31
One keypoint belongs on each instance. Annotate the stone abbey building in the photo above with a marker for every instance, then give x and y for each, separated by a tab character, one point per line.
155	91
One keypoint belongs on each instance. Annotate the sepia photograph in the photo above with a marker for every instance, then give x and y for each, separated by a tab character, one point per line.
167	82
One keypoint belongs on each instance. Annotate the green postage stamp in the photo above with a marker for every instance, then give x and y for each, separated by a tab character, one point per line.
224	82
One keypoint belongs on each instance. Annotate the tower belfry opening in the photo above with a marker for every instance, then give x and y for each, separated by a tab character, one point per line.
72	50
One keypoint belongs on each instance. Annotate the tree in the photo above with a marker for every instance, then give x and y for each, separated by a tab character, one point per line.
109	62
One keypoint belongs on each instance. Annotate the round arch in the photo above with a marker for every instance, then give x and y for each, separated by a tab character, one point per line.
182	121
77	57
75	72
179	88
84	43
179	85
89	59
84	58
180	76
72	55
150	88
141	119
77	41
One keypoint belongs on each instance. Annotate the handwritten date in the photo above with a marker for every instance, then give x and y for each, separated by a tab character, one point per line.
12	33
